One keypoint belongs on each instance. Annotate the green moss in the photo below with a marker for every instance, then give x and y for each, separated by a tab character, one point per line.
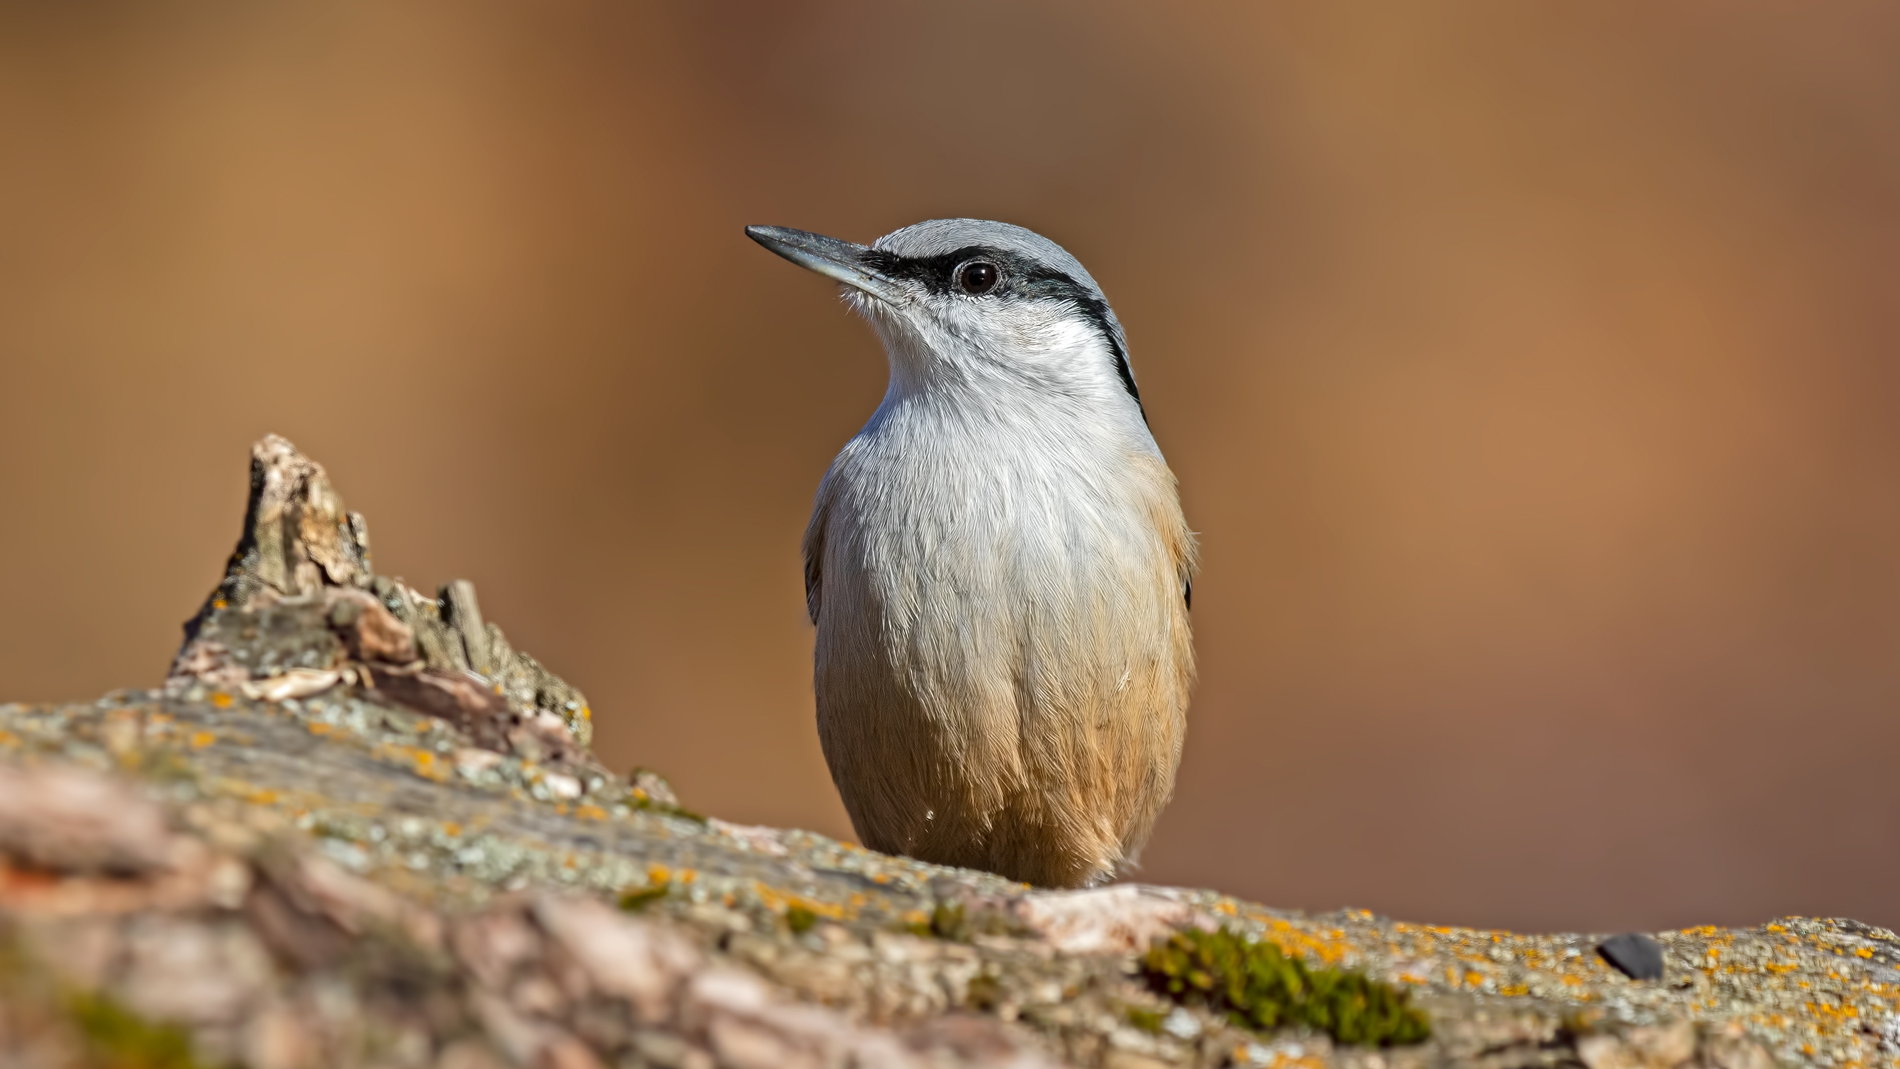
799	919
162	765
946	921
120	1039
324	829
1148	1021
639	898
1258	987
952	921
648	805
984	993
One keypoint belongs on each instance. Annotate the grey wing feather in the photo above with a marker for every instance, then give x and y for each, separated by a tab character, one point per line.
813	586
815	559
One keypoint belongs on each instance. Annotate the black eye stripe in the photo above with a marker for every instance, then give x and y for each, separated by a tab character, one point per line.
1018	276
1097	311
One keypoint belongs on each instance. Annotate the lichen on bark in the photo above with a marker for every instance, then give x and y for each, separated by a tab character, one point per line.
355	827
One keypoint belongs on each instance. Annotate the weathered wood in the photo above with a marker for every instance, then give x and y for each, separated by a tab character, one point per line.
302	556
327	842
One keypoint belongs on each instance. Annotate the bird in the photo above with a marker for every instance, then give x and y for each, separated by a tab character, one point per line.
997	564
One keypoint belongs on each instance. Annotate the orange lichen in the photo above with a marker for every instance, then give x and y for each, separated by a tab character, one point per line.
1299	943
422	762
790	905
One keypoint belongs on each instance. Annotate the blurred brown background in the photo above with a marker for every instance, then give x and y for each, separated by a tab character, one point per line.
1530	371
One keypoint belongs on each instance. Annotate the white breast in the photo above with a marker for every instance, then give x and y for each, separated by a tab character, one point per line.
1003	656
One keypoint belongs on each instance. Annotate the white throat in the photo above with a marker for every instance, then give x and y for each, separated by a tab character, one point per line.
1036	363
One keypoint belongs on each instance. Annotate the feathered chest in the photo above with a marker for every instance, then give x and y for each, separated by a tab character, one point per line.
924	505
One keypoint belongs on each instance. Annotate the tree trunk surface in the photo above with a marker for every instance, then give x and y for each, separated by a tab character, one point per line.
356	827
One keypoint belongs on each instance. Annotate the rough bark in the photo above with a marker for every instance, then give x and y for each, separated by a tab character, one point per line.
355	827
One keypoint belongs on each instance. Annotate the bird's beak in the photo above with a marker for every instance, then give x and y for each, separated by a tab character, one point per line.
830	257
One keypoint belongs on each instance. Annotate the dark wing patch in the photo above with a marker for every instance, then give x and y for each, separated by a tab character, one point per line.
814	550
813	587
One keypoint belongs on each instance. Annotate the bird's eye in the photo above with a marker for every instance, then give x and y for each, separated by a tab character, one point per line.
977	277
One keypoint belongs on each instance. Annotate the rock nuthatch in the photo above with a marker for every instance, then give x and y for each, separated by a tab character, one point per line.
997	564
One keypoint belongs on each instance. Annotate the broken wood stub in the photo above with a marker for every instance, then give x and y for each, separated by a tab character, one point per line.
297	537
299	597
